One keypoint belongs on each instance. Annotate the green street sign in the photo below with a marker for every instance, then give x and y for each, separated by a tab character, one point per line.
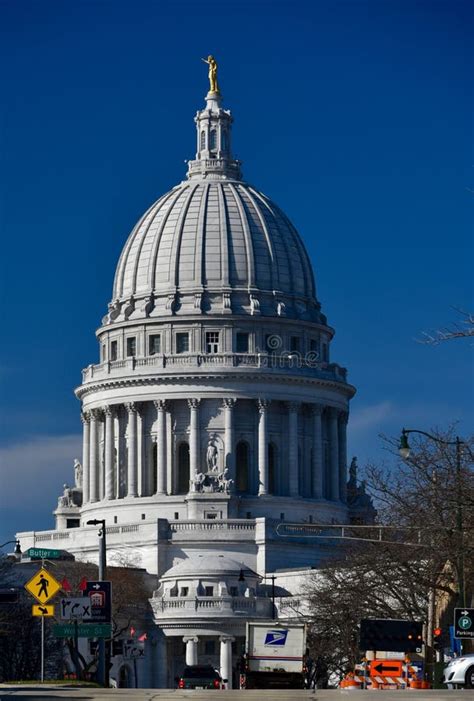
84	630
43	554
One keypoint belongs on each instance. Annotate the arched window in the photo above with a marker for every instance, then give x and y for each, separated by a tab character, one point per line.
202	145
183	469
272	468
224	141
242	466
213	140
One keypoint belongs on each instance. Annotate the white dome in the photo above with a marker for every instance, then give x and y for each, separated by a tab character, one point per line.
207	564
214	235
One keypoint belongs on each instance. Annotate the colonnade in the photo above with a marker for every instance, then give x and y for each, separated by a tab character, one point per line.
191	642
100	471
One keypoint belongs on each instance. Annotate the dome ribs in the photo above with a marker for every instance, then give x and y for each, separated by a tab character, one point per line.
123	260
273	223
199	262
223	213
254	211
307	269
247	239
177	237
152	265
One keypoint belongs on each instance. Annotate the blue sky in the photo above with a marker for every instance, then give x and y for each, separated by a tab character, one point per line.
354	116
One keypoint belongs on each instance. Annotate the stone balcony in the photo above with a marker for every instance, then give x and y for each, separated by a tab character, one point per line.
190	363
210	606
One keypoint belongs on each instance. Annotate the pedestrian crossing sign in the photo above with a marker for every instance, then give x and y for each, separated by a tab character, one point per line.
43	586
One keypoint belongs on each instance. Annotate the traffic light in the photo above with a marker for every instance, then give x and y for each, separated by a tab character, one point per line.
391	635
437	635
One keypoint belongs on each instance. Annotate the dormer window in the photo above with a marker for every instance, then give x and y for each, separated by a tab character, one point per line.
212	342
154	344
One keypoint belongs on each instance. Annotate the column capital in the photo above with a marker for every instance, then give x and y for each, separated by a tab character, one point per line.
160	404
109	411
193	403
263	404
316	409
95	414
132	407
226	638
190	639
229	402
293	406
85	417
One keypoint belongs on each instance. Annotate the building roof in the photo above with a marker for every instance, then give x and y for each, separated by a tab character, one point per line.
211	564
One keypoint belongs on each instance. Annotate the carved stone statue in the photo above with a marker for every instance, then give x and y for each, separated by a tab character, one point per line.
197	481
212	63
212	456
78	474
66	498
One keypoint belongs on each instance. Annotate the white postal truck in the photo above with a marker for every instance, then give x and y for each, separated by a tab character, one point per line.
275	656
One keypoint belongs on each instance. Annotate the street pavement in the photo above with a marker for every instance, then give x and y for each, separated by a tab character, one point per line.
68	693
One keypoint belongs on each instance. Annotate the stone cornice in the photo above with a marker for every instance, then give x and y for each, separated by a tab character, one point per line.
143	381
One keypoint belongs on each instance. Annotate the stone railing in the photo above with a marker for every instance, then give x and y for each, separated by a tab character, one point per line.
212	525
190	362
205	605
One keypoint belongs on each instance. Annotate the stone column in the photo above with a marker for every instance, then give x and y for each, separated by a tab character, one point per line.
109	452
132	450
141	463
229	450
191	649
160	405
193	437
85	418
293	467
94	456
317	467
226	659
343	417
262	447
334	453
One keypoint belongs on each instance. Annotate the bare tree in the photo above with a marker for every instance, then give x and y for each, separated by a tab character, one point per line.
428	494
464	328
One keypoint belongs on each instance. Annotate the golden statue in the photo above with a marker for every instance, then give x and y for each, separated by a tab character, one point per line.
211	61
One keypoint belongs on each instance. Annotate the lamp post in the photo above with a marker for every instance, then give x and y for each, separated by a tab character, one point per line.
17	551
103	671
404	451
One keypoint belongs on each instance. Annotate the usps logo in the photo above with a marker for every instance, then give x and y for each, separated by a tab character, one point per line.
276	638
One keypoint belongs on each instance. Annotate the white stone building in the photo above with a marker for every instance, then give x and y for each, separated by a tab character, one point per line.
215	411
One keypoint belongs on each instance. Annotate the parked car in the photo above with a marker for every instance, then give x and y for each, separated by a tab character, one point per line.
200	676
460	672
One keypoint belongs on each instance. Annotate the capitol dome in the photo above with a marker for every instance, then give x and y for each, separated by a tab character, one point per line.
214	415
214	235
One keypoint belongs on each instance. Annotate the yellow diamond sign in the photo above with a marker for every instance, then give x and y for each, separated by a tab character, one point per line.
43	586
45	611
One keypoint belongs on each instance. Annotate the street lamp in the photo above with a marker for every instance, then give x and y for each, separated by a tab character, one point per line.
404	451
103	671
17	551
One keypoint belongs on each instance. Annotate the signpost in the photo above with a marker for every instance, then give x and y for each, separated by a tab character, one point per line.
82	630
464	624
42	586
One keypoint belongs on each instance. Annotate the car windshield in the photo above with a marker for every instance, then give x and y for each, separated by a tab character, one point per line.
200	671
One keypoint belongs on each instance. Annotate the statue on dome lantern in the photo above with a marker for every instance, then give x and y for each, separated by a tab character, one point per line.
212	63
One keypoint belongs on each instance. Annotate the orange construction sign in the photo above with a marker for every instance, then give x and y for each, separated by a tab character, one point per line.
386	668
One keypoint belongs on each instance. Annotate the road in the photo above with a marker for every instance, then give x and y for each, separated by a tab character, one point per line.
68	693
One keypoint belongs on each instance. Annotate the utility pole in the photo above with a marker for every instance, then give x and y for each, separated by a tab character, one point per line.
103	667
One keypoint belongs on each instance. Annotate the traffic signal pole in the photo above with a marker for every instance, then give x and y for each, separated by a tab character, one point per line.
102	667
